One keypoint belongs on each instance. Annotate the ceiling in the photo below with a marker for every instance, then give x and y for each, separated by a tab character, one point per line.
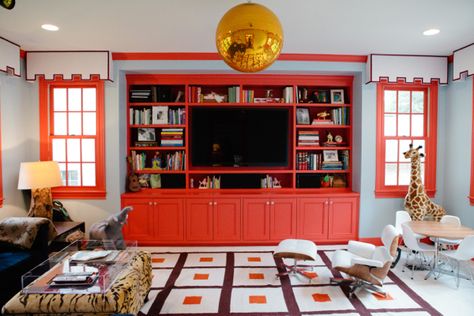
355	27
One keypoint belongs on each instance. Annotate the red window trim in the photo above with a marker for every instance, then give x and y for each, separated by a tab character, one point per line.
99	191
1	174
471	193
383	191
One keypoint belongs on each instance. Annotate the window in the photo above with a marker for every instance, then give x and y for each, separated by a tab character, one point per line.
406	113
72	133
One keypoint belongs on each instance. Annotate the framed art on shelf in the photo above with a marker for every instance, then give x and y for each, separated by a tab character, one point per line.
160	115
337	96
302	116
146	135
330	155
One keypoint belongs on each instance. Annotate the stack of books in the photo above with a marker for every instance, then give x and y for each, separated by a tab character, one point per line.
322	122
234	94
140	95
308	138
172	137
331	165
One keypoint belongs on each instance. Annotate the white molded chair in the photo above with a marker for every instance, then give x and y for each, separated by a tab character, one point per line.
366	264
415	247
464	253
452	220
402	217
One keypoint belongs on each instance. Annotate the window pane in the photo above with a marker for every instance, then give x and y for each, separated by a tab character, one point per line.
417	101
89	127
390	101
391	150
89	99
390	124
62	169
404	101
74	99
59	150
73	150
417	125
404	125
60	123
404	146
390	174
74	174
74	124
59	99
404	176
88	174
88	150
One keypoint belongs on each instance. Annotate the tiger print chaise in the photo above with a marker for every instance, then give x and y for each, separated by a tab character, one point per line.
126	296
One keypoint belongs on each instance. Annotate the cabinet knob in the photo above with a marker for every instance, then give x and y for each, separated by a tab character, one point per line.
272	203
155	203
326	202
150	203
268	203
215	203
331	202
210	203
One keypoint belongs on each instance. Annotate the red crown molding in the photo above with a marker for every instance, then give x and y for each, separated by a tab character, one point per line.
215	56
22	54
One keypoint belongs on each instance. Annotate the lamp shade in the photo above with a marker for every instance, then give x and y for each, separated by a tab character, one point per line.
38	175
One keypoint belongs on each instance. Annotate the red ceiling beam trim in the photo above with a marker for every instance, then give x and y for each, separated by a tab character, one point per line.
215	56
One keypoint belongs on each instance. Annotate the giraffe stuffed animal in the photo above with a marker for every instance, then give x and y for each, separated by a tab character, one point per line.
417	202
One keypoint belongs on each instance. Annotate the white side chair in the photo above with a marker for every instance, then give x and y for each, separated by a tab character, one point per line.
463	254
415	247
402	217
449	243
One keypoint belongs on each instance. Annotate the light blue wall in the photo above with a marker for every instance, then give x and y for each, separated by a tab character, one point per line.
457	155
374	213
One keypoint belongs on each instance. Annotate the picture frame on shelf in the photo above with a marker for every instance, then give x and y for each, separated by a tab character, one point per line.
337	96
160	115
146	134
330	155
302	116
320	96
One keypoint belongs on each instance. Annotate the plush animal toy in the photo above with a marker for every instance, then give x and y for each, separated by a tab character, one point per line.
417	202
110	229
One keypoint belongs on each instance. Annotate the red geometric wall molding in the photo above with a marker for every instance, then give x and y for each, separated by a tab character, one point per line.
463	62
68	64
9	57
407	67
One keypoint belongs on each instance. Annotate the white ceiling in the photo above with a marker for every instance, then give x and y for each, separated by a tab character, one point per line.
357	27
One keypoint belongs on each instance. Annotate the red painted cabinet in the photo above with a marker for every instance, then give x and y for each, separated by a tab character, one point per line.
343	218
154	219
312	218
210	219
269	218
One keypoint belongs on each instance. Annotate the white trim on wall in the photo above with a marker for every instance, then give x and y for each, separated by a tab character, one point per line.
9	57
407	68
463	62
68	64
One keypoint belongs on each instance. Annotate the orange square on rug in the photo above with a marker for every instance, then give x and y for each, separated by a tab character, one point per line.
201	276
380	297
321	297
256	276
158	260
192	300
257	299
206	259
311	274
254	259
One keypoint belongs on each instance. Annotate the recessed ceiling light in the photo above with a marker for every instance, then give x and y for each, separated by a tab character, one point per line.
49	27
431	32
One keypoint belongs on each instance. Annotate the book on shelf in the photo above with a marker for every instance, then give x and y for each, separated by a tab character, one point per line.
308	161
172	137
140	95
288	94
308	138
321	122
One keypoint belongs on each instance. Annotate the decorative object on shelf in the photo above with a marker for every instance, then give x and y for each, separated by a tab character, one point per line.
326	181
302	116
143	180
321	96
323	115
40	177
8	4
337	96
156	161
203	184
155	181
276	183
329	138
338	139
249	37
214	97
417	202
217	156
109	230
132	179
339	181
146	134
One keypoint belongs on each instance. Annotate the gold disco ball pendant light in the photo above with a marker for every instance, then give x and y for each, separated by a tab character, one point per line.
249	37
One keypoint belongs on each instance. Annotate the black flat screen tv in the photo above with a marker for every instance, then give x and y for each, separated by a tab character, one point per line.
239	137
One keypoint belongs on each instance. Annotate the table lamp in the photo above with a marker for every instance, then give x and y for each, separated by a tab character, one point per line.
40	177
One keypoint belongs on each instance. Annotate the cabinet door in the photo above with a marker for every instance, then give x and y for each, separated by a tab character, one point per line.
312	218
343	218
256	219
282	218
227	218
199	219
169	219
140	221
